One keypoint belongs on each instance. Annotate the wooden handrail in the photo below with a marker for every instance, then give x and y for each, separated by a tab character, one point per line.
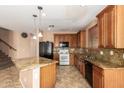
8	45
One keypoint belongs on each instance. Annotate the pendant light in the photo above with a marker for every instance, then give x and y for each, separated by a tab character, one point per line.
40	34
41	13
34	34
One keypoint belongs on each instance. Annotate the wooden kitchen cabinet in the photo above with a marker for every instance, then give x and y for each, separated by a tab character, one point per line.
48	76
56	40
97	77
73	41
82	69
71	59
110	24
81	39
71	38
93	37
76	62
108	78
56	56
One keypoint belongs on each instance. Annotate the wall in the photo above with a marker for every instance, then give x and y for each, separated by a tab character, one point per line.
49	35
26	47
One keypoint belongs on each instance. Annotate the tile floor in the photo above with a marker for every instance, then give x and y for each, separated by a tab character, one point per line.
9	78
70	77
67	77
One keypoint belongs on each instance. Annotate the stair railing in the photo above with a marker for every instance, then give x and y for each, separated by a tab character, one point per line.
7	45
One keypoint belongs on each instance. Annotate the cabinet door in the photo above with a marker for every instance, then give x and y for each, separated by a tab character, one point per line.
101	30
78	39
71	59
83	39
48	76
110	27
82	69
61	38
97	77
93	37
106	24
56	40
73	41
56	56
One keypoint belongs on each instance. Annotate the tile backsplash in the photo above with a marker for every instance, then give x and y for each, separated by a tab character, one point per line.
105	55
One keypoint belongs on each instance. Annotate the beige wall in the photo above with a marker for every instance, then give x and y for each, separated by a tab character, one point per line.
49	35
26	47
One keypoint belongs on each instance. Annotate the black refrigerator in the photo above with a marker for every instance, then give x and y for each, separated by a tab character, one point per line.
46	49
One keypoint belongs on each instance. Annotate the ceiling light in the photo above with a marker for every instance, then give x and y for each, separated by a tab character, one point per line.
50	27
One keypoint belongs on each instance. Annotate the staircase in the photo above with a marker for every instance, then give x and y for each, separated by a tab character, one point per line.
5	61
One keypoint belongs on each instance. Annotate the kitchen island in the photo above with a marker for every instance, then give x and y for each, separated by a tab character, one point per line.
36	72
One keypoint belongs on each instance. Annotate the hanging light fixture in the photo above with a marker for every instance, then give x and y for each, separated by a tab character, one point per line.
34	34
41	13
40	34
50	27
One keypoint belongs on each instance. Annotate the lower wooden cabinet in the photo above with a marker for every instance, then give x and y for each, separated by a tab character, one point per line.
108	78
48	76
56	56
79	65
82	69
71	59
97	77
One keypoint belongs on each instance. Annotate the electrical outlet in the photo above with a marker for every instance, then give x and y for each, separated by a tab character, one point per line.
111	53
101	52
123	55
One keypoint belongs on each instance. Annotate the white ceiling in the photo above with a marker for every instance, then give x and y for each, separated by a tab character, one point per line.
65	18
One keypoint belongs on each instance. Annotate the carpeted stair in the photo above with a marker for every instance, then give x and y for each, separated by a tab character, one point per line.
5	61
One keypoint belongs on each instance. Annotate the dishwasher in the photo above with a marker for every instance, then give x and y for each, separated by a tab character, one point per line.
89	72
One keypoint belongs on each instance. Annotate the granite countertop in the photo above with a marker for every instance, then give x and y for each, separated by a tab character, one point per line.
100	63
105	65
31	63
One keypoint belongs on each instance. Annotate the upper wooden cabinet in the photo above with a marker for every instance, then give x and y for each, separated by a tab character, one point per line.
93	37
81	39
71	38
110	24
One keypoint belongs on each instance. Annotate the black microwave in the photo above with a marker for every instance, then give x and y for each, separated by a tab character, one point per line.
64	44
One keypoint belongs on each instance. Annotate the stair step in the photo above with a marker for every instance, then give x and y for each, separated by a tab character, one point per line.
5	61
6	66
3	56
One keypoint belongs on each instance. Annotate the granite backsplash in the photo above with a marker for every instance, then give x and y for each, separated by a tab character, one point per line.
101	54
104	55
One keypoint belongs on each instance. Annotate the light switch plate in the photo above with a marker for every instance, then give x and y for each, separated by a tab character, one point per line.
101	52
111	53
123	55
